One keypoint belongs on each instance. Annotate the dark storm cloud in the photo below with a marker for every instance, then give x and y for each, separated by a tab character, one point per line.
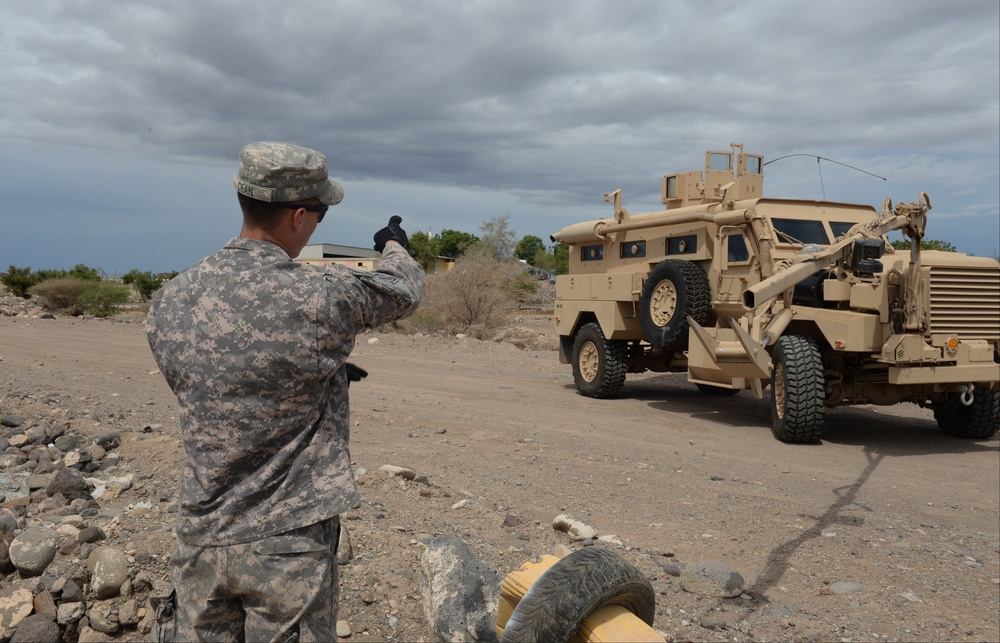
555	102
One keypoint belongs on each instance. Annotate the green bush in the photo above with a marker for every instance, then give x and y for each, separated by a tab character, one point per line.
102	298
145	283
19	281
60	295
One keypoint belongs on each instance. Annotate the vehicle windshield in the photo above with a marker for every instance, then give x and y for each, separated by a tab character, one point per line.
840	228
800	231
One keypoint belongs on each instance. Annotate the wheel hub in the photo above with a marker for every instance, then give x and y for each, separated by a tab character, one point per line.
663	303
589	361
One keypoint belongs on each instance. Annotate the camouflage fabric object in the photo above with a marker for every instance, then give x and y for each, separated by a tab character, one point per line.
282	172
282	588
253	345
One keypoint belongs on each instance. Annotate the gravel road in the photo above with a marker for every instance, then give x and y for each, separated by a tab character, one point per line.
886	504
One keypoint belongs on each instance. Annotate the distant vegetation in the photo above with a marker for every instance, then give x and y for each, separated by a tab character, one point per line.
925	244
81	289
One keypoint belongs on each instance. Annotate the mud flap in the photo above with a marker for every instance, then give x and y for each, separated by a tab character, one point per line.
164	617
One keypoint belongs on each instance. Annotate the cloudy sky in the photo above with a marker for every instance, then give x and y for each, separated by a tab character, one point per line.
122	121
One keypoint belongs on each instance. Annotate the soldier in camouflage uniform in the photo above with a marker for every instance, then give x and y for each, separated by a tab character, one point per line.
254	346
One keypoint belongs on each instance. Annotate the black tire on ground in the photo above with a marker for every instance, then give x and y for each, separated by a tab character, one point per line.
674	290
599	365
978	421
571	590
717	391
797	390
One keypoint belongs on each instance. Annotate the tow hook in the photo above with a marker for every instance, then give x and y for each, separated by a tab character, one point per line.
968	395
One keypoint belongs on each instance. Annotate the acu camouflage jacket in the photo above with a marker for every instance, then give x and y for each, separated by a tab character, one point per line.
253	344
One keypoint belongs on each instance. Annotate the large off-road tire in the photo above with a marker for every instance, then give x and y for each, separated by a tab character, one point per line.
571	590
797	390
674	290
979	421
599	365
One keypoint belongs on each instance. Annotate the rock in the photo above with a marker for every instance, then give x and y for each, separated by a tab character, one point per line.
511	521
45	604
611	539
70	483
15	606
91	534
70	592
712	579
108	441
18	440
460	592
37	628
712	623
33	549
11	421
69	612
6	538
66	443
343	629
846	588
37	434
575	529
109	571
100	621
400	472
345	552
128	613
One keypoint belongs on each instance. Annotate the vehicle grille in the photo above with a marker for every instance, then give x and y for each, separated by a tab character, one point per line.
965	302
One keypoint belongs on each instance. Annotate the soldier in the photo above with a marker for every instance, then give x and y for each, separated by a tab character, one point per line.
254	346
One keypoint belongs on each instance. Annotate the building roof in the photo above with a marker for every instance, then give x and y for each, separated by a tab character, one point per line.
333	251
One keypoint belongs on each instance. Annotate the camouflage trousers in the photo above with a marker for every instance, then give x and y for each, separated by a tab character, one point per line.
279	588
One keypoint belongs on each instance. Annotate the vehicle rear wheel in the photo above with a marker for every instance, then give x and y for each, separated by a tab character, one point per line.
979	421
571	590
674	290
599	365
797	390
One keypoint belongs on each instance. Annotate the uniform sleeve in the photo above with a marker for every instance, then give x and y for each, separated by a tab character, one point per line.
390	292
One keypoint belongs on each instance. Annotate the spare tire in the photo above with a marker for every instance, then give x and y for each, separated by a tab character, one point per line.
558	603
674	290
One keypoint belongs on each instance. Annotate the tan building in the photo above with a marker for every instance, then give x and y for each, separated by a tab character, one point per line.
318	254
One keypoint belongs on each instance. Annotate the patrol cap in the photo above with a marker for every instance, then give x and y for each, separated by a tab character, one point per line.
282	172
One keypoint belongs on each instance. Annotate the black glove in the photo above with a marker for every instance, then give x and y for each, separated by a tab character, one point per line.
391	232
354	373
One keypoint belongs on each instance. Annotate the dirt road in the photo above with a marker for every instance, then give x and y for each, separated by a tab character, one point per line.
886	501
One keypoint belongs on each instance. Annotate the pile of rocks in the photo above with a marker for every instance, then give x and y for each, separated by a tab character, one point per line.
61	580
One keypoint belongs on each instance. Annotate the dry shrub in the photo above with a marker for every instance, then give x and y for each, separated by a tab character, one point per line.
474	297
60	295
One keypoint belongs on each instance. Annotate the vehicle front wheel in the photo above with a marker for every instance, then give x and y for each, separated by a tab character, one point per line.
797	390
599	365
978	421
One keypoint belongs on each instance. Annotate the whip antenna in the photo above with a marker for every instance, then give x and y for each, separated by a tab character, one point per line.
819	167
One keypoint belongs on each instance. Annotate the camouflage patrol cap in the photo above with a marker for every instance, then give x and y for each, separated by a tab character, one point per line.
282	172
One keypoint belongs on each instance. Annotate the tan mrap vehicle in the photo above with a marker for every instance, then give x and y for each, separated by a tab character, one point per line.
807	297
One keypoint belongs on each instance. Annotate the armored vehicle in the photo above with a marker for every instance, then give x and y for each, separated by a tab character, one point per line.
745	292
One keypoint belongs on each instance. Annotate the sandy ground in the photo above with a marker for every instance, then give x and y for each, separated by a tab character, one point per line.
886	500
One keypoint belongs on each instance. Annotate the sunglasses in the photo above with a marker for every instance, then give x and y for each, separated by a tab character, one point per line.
319	209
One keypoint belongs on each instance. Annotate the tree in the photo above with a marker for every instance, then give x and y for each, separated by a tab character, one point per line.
528	248
19	281
452	243
497	237
145	283
424	249
925	244
561	253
